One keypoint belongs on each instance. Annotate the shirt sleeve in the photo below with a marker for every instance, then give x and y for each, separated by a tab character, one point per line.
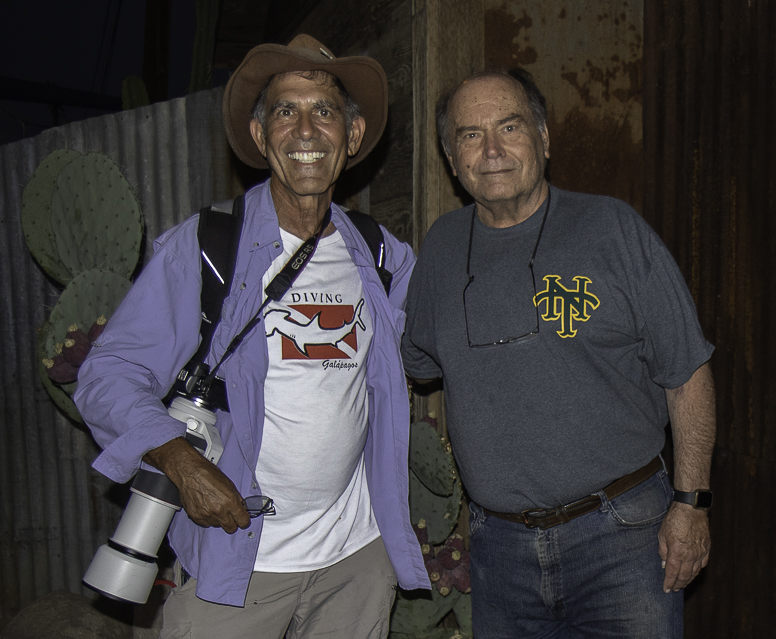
673	343
133	364
418	345
400	261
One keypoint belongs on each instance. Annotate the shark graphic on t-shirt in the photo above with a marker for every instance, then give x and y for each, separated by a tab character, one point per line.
317	331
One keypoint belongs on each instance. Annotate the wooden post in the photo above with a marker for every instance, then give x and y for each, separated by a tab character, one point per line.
448	43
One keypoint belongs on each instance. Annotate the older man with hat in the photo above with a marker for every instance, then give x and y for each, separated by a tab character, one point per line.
318	417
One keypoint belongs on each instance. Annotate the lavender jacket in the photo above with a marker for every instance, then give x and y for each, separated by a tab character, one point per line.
155	331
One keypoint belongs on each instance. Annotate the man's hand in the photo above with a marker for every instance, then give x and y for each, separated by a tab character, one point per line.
684	536
208	496
684	544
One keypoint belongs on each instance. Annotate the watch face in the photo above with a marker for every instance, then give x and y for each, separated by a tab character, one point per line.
703	499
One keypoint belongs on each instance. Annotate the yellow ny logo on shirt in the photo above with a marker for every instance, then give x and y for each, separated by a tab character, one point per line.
566	304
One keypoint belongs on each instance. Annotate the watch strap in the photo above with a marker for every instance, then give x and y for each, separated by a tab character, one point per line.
700	499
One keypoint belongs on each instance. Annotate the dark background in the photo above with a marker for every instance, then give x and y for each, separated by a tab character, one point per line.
703	174
66	61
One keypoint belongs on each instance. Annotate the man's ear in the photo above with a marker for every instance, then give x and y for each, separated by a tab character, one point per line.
452	164
546	142
356	135
257	133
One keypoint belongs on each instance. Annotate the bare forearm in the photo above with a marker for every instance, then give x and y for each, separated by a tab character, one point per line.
691	408
208	496
173	458
684	540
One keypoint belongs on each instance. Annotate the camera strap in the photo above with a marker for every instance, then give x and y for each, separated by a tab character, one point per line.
218	235
373	235
275	290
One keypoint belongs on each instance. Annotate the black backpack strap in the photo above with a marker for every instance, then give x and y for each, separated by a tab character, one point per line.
373	234
218	234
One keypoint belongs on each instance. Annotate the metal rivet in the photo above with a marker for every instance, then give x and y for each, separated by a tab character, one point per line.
276	244
251	534
242	286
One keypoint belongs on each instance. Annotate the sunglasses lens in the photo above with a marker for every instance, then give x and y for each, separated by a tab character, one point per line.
258	505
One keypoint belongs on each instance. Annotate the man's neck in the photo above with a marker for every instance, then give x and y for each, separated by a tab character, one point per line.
301	215
508	213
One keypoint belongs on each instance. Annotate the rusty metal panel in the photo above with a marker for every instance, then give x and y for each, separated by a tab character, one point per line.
586	57
710	167
55	509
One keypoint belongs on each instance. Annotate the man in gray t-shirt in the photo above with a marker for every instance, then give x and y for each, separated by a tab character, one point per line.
567	339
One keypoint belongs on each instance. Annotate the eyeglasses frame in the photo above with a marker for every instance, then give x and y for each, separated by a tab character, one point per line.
470	279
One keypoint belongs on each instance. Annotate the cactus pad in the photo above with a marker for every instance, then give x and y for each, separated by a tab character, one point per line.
36	213
415	614
86	298
58	393
431	460
463	614
95	217
440	513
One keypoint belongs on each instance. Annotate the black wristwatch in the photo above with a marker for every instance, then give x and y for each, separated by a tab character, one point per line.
700	499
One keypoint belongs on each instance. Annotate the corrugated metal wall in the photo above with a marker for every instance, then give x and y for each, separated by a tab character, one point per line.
55	509
710	167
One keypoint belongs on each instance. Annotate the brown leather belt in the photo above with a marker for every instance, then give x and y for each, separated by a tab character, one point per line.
549	517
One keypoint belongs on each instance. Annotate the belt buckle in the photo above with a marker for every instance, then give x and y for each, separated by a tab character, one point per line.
531	521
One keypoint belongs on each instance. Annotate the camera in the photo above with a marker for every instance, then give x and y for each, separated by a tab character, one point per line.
125	568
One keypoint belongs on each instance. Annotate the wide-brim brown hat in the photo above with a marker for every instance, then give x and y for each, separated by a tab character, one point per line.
362	77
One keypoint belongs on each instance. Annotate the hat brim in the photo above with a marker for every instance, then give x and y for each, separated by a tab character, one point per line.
362	77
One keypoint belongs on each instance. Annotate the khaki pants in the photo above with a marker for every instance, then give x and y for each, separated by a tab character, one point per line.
351	599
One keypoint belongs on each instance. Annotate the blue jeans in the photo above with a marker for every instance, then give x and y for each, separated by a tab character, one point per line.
597	576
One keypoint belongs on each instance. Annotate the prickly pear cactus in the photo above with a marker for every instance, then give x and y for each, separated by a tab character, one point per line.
463	614
36	213
95	217
431	459
86	298
83	225
435	502
435	493
57	392
415	614
440	513
77	319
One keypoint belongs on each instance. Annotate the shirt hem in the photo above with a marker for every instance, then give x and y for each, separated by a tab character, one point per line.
347	552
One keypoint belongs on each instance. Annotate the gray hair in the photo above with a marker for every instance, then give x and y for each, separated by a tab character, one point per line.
536	102
352	110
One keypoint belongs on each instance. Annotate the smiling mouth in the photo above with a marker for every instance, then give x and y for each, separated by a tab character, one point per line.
307	157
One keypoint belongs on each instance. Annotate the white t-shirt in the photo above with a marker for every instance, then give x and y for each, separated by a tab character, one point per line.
311	461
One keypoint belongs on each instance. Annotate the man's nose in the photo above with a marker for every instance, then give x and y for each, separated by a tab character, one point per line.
492	145
305	128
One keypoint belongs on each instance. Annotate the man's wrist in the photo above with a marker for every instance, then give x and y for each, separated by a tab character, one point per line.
700	499
166	456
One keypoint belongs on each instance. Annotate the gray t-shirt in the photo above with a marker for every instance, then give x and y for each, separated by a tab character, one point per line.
547	420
